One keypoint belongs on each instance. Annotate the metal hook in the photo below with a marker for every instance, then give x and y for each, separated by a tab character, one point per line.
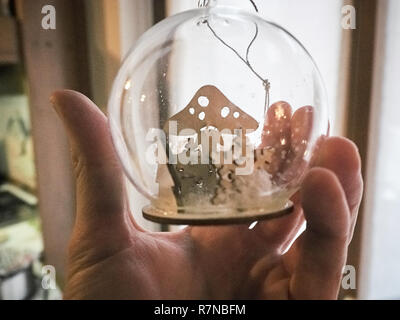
203	3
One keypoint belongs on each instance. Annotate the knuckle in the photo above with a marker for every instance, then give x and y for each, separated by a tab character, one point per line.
78	165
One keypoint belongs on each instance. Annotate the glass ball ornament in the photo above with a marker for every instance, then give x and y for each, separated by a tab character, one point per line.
216	115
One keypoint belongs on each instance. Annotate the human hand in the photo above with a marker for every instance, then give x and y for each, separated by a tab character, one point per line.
111	257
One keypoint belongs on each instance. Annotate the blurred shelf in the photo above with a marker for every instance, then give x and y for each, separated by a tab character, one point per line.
16	206
8	41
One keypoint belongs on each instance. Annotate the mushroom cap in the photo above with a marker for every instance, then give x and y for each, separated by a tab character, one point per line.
210	107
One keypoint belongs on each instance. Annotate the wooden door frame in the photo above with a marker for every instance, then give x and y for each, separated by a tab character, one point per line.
359	89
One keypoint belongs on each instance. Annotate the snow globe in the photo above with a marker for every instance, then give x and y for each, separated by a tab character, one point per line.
215	115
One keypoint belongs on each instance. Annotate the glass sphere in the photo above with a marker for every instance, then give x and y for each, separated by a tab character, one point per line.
215	115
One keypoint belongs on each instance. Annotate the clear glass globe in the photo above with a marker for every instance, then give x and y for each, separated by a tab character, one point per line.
215	115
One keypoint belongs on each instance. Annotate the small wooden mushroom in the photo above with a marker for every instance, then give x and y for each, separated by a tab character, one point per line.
209	108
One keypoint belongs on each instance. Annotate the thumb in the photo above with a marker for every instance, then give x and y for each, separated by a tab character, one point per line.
99	178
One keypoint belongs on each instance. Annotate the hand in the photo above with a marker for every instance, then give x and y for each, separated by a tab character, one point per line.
111	257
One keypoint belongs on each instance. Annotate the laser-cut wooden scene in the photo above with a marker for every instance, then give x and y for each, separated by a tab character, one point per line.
194	190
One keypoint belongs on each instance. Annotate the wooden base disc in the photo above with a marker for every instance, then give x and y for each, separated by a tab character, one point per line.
157	215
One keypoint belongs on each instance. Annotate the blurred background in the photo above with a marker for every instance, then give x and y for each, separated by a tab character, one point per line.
360	67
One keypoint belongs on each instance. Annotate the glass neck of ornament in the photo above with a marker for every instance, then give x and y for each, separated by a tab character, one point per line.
250	5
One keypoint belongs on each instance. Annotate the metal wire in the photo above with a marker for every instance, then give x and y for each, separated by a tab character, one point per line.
254	5
246	60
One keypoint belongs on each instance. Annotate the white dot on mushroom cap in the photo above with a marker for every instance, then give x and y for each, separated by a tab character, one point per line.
191	111
202	115
225	112
203	101
236	115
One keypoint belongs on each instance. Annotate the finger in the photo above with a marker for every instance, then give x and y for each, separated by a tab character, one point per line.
280	232
276	133
301	126
323	248
341	156
99	180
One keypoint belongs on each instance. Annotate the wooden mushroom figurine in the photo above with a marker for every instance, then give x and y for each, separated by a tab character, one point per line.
210	110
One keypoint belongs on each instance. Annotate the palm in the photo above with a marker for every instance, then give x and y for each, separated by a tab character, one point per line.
111	257
232	263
